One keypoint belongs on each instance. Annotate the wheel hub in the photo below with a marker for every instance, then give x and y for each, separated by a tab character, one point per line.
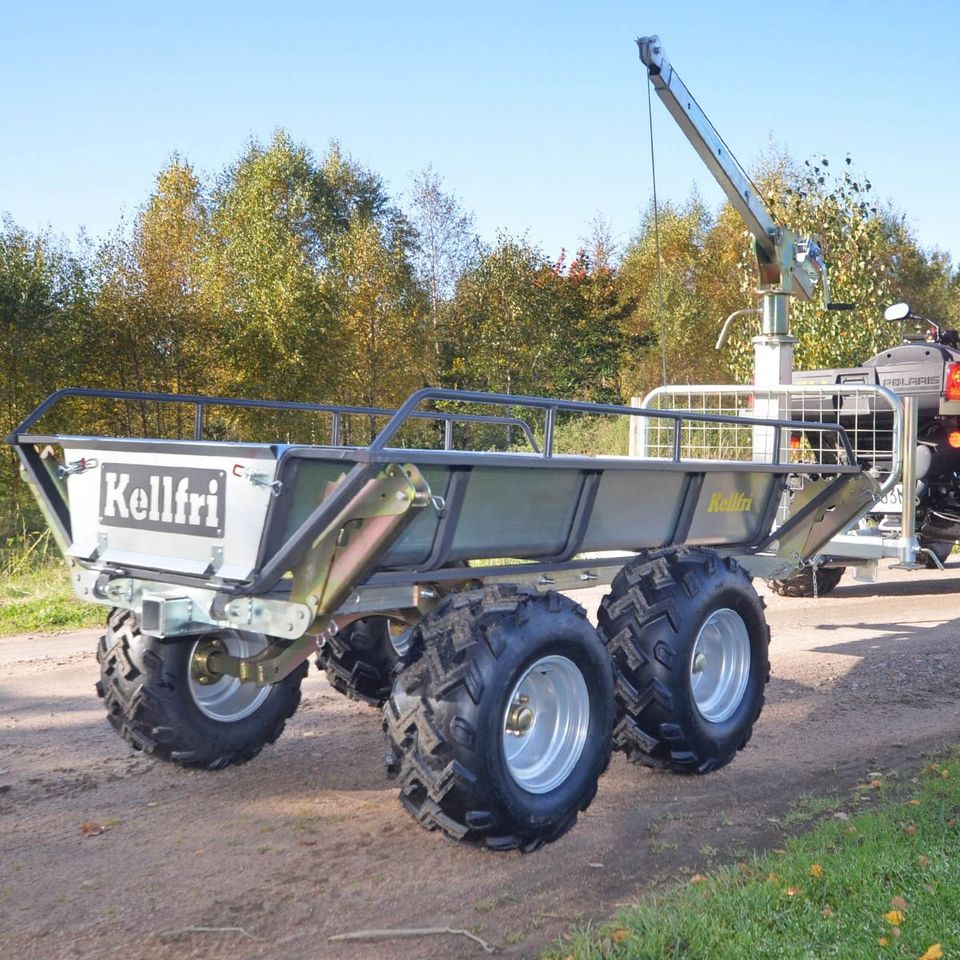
720	665
200	660
521	717
222	698
545	724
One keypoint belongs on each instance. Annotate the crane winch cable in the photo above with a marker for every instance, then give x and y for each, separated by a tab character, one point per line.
656	218
656	236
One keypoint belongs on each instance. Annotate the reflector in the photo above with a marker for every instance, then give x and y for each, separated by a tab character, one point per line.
951	389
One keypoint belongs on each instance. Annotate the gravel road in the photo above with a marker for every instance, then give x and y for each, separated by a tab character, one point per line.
270	859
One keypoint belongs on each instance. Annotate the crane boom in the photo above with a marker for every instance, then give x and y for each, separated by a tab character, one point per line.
786	265
707	142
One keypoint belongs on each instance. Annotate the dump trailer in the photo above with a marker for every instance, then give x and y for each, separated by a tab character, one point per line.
424	570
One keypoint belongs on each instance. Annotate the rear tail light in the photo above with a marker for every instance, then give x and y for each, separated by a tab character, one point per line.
951	387
953	438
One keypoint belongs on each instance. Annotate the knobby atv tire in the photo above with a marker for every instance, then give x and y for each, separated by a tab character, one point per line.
808	582
145	686
361	659
650	622
446	717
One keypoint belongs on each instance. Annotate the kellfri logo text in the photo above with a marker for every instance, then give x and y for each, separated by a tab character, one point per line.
729	503
179	501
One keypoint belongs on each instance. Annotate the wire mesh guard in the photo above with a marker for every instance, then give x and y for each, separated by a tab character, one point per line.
869	415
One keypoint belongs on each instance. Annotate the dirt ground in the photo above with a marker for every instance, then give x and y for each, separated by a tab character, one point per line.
309	841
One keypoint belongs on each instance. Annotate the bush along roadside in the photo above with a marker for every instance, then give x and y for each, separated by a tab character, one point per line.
35	592
880	883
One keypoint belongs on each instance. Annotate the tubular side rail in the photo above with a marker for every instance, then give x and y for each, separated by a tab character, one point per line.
336	411
419	510
552	407
837	390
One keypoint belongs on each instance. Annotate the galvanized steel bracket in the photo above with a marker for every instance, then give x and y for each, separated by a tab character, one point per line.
350	543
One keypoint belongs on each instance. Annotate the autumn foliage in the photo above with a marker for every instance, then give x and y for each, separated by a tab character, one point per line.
293	276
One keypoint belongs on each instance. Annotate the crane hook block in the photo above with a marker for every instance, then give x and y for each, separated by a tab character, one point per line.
651	53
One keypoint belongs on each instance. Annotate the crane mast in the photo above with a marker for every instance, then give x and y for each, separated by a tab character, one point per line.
789	266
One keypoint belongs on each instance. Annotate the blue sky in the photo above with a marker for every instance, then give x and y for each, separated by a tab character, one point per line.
533	113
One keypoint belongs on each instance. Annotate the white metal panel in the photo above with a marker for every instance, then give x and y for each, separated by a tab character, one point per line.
170	508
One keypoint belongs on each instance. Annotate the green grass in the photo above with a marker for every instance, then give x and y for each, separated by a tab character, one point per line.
808	807
35	593
835	891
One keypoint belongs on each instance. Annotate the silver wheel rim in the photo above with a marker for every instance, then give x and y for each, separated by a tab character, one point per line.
399	634
720	665
221	698
545	724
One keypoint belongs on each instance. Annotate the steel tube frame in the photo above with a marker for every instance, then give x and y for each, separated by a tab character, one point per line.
552	407
201	403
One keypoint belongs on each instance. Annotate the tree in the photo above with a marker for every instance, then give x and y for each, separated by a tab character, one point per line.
308	274
709	270
590	312
271	220
382	316
169	237
152	330
445	248
44	338
676	325
862	241
506	330
926	281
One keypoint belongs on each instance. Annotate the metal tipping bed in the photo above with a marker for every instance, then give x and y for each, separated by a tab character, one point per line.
287	537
